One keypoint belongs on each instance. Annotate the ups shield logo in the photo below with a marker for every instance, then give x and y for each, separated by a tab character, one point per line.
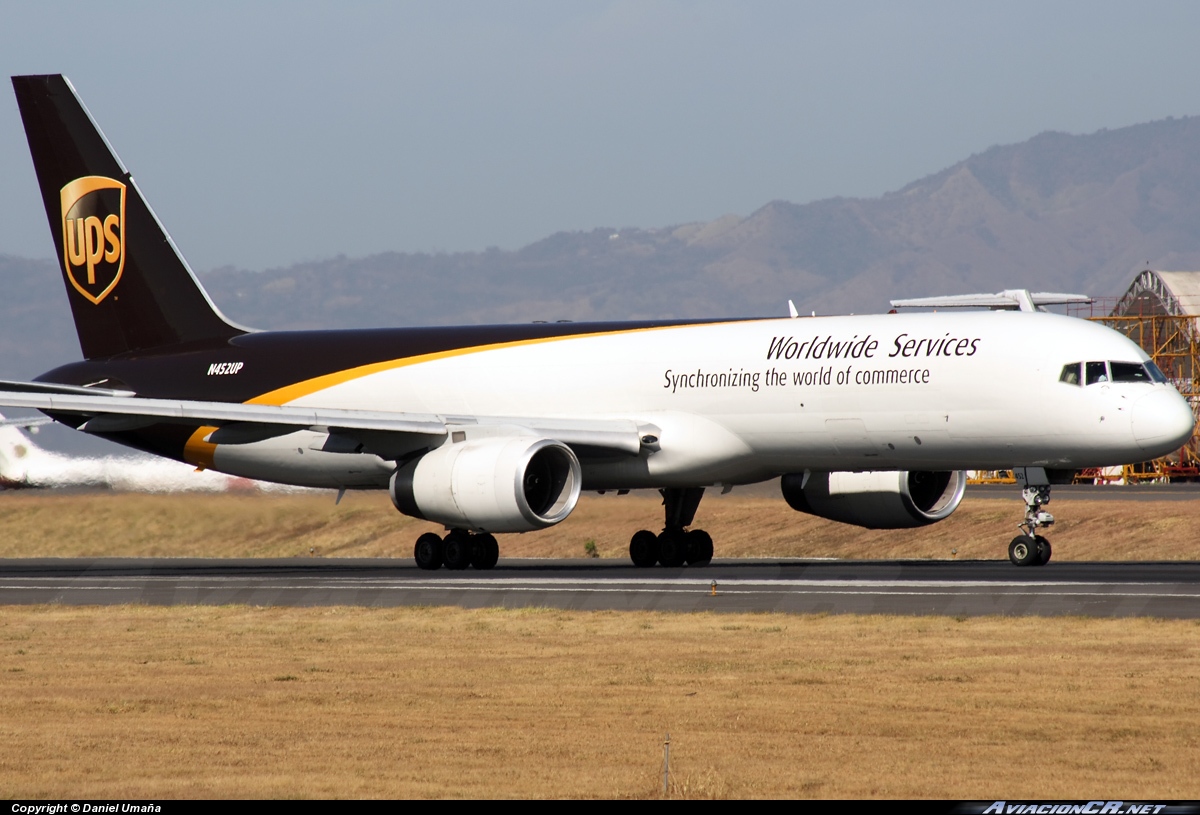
93	220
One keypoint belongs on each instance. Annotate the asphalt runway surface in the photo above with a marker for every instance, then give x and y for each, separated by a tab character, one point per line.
1088	492
955	588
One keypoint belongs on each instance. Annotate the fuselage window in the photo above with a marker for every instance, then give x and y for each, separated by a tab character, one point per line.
1070	374
1128	372
1097	372
1156	374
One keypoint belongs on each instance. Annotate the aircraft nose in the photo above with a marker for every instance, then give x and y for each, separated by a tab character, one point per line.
1162	422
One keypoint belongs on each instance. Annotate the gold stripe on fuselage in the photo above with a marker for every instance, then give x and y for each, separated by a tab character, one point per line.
200	452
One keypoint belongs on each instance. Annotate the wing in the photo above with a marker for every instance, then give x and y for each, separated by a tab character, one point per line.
381	432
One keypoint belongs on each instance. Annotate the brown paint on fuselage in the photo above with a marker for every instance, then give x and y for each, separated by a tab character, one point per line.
280	366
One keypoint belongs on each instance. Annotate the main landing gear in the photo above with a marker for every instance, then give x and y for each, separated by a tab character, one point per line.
458	550
1030	548
674	546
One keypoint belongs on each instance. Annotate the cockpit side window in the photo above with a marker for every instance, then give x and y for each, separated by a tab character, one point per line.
1070	374
1128	372
1097	372
1155	374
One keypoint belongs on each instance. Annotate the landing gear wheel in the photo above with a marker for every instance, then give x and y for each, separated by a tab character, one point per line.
1031	549
699	547
672	548
428	552
487	552
459	549
643	549
1023	551
1043	547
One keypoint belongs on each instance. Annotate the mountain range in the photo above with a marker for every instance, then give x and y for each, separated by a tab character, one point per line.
1059	212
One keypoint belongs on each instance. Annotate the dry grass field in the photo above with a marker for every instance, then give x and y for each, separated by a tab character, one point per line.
750	523
137	702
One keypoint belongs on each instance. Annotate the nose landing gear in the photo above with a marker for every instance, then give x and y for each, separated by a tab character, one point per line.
1030	548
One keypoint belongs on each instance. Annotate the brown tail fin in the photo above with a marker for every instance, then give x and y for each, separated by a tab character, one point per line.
130	289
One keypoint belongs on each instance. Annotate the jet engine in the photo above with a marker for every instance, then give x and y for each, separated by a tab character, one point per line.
496	484
876	500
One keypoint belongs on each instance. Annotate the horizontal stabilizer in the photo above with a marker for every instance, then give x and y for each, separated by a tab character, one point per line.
54	387
26	422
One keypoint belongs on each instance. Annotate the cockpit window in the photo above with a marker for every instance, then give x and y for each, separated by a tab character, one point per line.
1097	372
1128	372
1070	374
1155	374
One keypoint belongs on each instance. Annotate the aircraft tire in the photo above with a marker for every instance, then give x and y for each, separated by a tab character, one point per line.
459	550
699	547
487	552
643	549
1023	551
428	552
1043	550
672	548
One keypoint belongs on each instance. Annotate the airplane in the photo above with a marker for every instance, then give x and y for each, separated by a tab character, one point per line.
869	420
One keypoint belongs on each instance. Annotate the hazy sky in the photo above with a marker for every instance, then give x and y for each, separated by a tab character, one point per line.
267	133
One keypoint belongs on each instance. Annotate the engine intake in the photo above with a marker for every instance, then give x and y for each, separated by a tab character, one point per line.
498	484
893	499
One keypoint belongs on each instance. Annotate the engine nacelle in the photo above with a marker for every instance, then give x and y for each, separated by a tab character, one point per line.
496	484
876	500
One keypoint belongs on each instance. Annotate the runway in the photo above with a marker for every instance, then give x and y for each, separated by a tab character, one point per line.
1161	589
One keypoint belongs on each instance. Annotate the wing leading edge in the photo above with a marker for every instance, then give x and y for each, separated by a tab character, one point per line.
106	411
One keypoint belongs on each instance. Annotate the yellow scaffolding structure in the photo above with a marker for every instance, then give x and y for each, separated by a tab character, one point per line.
1172	341
991	477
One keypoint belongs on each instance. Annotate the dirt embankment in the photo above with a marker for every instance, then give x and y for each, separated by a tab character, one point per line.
748	523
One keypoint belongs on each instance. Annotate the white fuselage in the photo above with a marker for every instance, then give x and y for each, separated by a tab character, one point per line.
745	401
